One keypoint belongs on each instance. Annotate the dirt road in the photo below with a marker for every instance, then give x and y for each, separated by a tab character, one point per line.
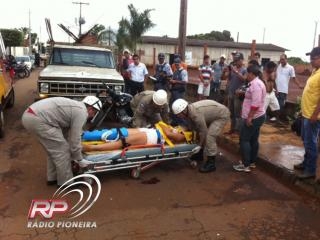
170	201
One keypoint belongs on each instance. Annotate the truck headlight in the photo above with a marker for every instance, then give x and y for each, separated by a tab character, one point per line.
118	89
44	87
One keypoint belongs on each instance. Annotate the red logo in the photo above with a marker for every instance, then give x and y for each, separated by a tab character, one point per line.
47	208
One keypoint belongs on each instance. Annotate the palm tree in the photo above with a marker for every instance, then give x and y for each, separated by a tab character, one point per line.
136	26
122	36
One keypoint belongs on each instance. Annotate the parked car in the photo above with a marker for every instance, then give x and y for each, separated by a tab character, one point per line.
32	61
26	60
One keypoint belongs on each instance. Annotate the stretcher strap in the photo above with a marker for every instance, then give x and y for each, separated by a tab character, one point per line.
123	152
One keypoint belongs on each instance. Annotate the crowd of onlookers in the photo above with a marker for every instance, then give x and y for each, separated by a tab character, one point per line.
252	90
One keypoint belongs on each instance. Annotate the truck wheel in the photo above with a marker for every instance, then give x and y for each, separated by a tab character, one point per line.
1	123
11	99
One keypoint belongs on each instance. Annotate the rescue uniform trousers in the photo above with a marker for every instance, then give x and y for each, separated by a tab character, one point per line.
56	146
214	130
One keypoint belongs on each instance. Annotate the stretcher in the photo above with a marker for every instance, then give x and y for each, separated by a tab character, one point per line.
138	158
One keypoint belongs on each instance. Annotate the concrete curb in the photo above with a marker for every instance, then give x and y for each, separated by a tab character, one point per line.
282	174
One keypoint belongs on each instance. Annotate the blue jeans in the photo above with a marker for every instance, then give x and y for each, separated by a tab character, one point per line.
235	106
249	140
282	97
309	134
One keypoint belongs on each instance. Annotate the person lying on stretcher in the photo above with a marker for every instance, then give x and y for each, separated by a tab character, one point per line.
118	138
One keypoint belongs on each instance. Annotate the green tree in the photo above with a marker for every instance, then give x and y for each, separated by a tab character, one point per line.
295	60
135	27
33	38
122	36
25	32
11	37
213	35
97	29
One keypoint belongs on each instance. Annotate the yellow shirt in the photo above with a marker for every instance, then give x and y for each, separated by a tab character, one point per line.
311	95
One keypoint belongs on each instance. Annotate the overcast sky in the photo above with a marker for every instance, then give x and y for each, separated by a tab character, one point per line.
289	24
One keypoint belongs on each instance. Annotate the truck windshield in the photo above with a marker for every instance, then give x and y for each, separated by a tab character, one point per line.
79	57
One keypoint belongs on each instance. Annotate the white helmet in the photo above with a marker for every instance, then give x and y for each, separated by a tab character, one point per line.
160	97
179	105
93	101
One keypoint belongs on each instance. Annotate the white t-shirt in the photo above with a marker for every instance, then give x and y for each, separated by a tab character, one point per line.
283	76
138	72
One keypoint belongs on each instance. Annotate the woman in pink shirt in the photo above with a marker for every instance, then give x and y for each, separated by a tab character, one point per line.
253	116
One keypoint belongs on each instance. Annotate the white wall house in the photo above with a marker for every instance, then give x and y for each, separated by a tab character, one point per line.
195	49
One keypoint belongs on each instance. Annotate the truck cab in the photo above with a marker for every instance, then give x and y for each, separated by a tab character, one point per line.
6	94
76	71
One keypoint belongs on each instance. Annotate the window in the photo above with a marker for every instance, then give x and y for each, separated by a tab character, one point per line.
79	57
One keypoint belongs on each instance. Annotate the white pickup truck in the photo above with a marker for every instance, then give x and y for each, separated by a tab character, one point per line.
78	71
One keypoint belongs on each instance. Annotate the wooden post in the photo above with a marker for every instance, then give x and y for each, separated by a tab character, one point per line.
205	49
183	28
154	61
253	49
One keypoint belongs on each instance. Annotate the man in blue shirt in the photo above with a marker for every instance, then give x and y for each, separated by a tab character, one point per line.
218	69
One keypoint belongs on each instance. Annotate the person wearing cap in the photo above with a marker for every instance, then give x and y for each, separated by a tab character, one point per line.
310	108
149	107
126	61
57	122
205	77
207	118
163	73
182	64
178	87
138	74
285	73
236	76
218	68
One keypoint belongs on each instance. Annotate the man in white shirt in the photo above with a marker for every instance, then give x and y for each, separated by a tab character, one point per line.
138	74
285	72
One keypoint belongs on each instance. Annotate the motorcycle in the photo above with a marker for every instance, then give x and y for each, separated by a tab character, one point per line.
17	70
115	107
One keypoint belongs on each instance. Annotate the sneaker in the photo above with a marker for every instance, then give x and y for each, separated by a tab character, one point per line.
241	168
252	165
83	163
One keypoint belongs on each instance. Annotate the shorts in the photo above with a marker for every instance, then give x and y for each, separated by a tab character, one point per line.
153	136
205	91
272	102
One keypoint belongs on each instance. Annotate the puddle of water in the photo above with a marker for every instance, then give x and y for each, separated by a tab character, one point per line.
283	155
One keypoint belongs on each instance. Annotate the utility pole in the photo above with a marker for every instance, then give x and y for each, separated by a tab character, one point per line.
264	34
183	28
81	21
29	33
